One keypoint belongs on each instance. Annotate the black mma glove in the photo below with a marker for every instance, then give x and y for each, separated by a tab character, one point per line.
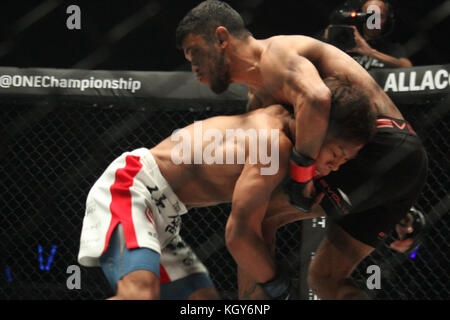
301	171
419	224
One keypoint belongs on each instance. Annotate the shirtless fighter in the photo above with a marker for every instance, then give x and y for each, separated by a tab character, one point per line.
377	189
132	221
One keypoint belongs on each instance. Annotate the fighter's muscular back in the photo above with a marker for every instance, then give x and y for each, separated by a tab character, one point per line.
280	57
206	184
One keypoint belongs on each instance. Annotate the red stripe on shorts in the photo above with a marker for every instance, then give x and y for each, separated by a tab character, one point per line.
120	206
164	277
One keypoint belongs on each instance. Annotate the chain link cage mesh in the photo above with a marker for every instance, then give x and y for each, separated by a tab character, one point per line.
51	155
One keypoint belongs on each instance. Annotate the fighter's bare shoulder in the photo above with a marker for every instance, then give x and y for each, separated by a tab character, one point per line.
285	50
298	43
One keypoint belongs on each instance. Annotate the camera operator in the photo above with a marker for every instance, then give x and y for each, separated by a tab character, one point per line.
367	46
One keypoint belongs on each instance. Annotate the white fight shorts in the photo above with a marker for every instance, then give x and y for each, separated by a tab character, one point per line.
133	192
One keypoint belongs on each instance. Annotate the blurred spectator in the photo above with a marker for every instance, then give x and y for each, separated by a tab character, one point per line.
369	47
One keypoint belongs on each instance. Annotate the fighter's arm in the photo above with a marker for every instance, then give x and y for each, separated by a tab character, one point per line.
279	213
302	86
243	234
311	99
250	201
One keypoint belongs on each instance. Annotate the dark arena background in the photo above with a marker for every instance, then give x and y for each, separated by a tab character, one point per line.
55	142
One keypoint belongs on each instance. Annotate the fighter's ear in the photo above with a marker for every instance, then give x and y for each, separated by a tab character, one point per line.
222	36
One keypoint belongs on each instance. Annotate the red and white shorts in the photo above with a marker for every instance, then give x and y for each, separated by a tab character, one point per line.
133	192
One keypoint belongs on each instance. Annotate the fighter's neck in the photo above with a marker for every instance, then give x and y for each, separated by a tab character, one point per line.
244	60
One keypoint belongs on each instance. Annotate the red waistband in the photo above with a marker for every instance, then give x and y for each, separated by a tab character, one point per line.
395	124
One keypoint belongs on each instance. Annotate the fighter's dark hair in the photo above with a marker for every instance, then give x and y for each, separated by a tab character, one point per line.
352	117
206	17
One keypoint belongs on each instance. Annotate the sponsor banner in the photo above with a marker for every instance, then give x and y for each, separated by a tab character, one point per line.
403	85
415	84
156	89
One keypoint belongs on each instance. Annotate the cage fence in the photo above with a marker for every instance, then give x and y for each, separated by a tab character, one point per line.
51	155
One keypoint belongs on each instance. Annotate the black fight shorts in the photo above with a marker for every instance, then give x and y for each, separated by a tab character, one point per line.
368	195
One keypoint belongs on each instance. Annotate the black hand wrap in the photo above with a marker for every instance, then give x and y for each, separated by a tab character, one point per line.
279	287
301	170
